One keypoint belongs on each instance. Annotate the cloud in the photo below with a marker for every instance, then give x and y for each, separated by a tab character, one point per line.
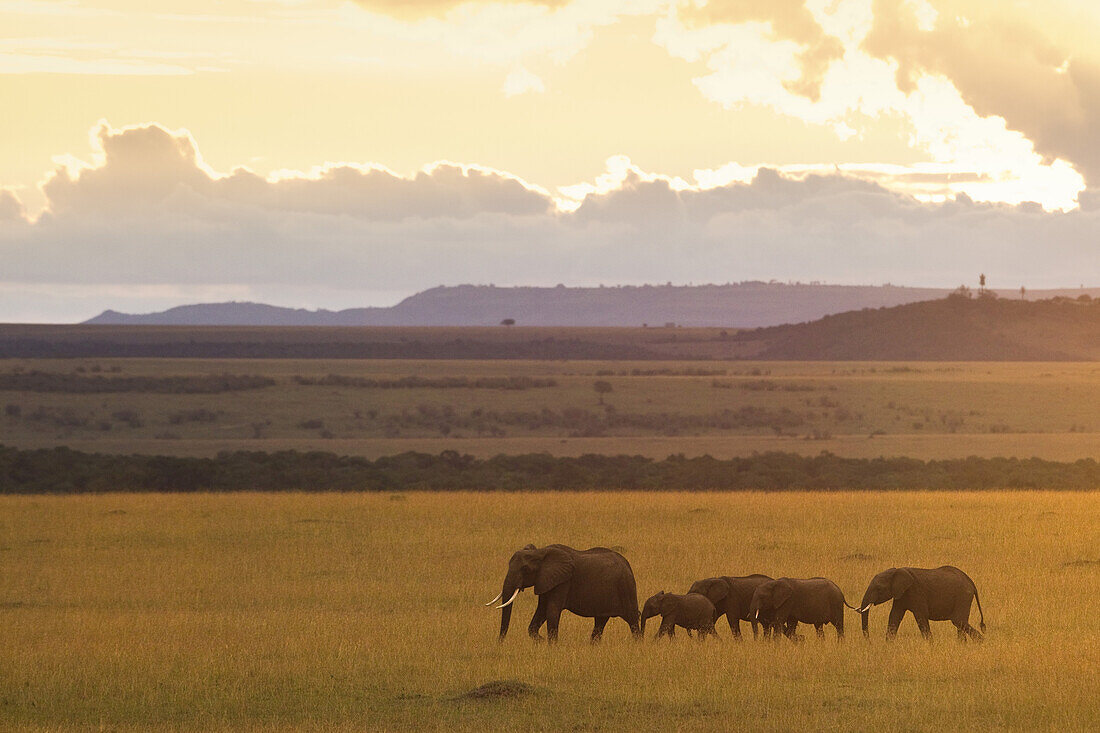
790	20
11	209
140	169
1004	63
414	9
148	212
521	81
881	74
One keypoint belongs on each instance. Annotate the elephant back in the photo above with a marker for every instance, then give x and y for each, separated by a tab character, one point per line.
602	584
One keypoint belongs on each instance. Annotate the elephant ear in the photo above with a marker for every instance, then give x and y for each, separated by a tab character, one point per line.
555	569
781	594
668	603
716	591
901	582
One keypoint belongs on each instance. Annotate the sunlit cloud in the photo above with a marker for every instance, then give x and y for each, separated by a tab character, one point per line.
748	66
521	81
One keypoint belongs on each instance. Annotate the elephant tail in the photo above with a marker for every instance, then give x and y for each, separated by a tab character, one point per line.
981	614
849	605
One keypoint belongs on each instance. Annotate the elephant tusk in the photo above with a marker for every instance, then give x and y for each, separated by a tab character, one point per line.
756	615
495	599
510	599
865	608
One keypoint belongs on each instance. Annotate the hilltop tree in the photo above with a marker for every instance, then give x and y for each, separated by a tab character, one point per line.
602	388
508	322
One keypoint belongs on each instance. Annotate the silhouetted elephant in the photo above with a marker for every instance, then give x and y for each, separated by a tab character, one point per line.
596	583
731	597
930	594
691	611
790	601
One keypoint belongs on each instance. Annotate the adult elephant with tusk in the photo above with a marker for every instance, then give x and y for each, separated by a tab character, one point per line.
731	597
930	594
787	602
596	583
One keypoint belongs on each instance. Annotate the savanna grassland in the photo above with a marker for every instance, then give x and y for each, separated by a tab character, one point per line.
381	407
364	611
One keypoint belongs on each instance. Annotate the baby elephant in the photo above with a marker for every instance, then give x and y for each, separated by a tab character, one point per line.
691	611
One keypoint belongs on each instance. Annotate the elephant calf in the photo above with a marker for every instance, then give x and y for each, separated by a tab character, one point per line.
691	611
930	594
787	602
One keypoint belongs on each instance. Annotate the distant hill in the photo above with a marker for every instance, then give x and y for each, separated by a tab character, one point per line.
741	305
955	328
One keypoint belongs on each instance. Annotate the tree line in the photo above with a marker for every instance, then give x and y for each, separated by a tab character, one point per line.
37	381
65	471
413	382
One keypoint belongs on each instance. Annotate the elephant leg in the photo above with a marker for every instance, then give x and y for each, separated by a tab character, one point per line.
789	626
961	632
667	629
820	629
597	628
537	620
553	617
919	607
838	624
735	626
897	613
925	629
633	620
961	619
755	629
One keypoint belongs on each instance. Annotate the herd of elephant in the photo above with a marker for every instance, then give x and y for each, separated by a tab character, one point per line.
599	584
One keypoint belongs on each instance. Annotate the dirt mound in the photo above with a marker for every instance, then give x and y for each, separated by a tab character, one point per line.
499	690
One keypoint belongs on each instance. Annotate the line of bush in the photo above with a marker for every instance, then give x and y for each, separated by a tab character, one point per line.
36	381
65	471
337	380
580	423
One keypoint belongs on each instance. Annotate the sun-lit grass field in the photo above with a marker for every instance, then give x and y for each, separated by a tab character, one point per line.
366	611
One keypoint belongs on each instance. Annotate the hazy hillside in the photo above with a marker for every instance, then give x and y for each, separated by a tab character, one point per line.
741	305
949	329
749	304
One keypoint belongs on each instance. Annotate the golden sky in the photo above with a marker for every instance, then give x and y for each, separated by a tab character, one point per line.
937	103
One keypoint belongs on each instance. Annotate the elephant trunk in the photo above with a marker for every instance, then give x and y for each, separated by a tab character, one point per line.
641	622
865	611
507	594
505	619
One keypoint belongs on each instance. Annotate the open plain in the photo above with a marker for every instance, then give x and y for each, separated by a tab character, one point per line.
294	611
377	407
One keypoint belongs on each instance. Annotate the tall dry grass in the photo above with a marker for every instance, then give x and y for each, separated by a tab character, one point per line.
365	611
